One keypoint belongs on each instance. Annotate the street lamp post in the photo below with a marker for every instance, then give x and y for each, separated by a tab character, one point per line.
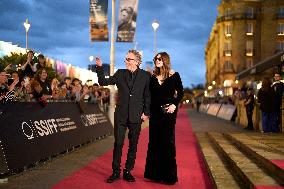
27	26
112	62
155	26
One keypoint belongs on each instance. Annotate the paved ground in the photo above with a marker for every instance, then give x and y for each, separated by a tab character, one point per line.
47	174
206	123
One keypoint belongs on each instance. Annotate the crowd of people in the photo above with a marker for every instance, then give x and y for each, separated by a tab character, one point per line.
31	83
269	97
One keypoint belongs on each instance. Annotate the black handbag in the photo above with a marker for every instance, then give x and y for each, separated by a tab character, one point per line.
165	108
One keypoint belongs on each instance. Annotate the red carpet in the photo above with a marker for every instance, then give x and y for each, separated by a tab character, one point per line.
191	170
279	163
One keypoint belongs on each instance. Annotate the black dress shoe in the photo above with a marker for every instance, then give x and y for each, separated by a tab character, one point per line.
113	177
169	182
127	176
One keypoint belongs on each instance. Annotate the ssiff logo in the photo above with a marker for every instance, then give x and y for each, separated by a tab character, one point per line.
39	128
90	119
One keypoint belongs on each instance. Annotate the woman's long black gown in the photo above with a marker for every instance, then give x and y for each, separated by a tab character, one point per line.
161	155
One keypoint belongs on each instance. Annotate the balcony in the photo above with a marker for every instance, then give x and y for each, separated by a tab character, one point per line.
243	16
227	71
228	53
249	33
250	52
228	34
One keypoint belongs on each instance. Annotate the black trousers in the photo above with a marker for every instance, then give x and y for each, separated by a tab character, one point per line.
249	118
119	135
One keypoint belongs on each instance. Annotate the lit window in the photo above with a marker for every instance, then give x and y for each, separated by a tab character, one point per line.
279	46
280	29
228	65
249	63
228	13
280	13
249	48
228	30
249	29
228	49
249	12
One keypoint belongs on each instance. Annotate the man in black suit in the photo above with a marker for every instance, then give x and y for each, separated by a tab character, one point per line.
132	107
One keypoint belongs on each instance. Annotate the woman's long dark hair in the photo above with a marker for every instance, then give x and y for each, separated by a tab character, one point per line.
266	84
165	69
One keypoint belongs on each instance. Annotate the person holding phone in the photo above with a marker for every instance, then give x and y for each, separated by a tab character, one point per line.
28	67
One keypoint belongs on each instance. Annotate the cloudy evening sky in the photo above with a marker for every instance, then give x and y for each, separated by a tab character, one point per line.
60	29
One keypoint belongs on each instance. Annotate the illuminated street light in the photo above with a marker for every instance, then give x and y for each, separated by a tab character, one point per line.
155	26
27	26
213	82
210	87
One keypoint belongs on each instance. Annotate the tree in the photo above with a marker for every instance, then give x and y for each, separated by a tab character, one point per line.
17	60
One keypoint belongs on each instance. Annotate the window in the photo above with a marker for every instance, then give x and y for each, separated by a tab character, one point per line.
280	13
249	63
227	49
249	48
228	13
249	12
228	30
228	65
280	29
249	29
280	46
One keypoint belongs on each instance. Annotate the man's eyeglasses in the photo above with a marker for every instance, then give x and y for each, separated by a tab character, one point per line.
129	59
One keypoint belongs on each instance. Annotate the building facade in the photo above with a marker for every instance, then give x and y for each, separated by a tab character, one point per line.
244	33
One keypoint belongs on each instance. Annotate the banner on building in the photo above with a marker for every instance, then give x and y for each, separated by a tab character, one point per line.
98	20
127	20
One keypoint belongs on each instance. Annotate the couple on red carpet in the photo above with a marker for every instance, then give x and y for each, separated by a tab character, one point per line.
142	96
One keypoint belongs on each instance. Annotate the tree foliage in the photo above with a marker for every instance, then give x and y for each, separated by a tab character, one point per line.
17	60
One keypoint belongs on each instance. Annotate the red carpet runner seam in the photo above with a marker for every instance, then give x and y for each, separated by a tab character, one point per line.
192	173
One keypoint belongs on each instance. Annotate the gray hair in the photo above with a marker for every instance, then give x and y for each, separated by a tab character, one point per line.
137	55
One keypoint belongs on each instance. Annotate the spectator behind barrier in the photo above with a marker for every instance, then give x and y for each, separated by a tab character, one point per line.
41	62
266	98
6	92
278	87
28	68
45	85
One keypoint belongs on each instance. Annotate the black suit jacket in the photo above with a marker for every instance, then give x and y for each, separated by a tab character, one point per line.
131	103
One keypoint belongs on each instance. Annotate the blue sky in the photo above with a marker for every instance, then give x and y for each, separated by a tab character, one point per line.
60	29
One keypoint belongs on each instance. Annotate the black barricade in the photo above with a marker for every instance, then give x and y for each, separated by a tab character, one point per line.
29	133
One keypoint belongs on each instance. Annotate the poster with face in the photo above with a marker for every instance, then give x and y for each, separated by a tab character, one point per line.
127	20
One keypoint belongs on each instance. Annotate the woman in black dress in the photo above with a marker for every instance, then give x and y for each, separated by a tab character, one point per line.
166	93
